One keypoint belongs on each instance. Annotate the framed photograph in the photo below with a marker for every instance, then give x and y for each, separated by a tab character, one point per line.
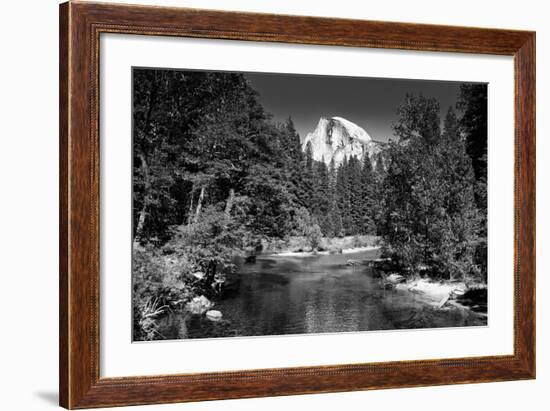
258	205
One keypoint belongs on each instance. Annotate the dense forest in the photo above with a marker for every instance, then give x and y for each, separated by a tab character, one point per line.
215	176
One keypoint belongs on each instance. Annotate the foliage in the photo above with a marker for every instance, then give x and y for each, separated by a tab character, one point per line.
196	261
418	118
307	227
209	244
196	134
430	216
158	285
272	207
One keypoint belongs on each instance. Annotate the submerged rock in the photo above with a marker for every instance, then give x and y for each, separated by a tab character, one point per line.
459	289
214	315
391	281
382	264
251	259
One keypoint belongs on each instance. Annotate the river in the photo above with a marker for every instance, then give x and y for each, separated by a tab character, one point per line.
317	294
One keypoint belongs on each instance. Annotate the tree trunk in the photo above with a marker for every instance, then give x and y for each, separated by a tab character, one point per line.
229	203
146	197
190	213
199	204
144	166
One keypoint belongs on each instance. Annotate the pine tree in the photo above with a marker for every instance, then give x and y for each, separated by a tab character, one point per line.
451	126
355	195
458	237
368	202
332	174
294	160
472	101
321	201
334	220
308	179
343	196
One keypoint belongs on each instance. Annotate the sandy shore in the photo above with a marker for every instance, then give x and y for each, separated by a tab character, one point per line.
326	252
434	293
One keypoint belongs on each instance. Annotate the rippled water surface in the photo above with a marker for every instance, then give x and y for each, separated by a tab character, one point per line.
318	294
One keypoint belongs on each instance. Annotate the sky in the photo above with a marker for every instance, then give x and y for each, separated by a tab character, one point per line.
368	102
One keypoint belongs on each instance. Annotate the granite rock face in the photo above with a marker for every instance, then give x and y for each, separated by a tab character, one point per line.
337	138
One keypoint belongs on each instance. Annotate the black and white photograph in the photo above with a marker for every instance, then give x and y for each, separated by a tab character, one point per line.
270	204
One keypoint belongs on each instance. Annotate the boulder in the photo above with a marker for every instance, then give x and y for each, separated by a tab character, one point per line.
214	315
198	305
395	278
199	275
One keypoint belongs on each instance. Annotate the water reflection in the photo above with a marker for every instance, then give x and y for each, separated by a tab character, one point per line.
320	294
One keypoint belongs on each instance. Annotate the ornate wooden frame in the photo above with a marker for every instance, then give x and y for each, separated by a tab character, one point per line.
80	27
